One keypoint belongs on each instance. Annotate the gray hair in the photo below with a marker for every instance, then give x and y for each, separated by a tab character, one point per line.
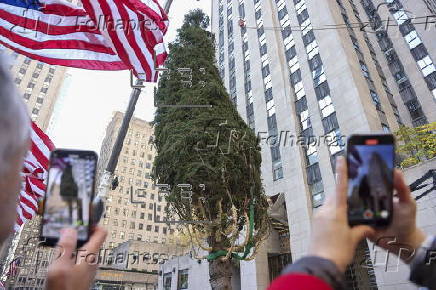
14	119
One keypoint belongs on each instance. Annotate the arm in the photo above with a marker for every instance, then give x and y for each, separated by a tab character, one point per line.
423	265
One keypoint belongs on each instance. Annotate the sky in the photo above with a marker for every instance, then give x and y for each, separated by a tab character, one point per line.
89	98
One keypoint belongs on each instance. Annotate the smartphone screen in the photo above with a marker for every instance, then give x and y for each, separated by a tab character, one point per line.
370	160
69	193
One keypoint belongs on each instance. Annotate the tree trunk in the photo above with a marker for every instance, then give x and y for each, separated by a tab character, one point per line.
220	273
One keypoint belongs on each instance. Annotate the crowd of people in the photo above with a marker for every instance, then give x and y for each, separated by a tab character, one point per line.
332	246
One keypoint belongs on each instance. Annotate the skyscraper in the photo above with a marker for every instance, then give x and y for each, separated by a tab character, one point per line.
39	84
135	210
130	216
319	71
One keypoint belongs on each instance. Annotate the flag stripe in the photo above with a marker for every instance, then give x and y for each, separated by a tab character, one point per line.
61	9
101	8
132	40
34	171
55	42
104	34
145	50
46	23
42	137
97	61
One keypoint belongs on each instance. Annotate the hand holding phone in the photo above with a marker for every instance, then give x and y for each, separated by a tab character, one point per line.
69	194
370	163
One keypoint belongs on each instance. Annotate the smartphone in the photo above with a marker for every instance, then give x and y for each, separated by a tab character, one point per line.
370	160
69	194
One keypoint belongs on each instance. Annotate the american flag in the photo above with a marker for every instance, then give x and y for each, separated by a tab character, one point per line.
103	35
13	267
34	175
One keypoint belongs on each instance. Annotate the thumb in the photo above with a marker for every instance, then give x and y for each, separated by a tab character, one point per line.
358	233
67	244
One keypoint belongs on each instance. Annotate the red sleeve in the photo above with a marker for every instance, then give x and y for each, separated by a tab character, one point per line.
297	281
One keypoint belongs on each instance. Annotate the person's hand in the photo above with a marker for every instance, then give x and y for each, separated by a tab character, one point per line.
402	233
332	238
75	273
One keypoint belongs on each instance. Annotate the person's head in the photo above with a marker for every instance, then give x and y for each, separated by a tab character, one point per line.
14	143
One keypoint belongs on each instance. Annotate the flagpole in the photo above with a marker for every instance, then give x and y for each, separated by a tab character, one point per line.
168	6
108	174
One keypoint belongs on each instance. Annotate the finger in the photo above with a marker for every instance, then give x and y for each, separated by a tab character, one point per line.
360	232
96	240
67	244
402	188
341	182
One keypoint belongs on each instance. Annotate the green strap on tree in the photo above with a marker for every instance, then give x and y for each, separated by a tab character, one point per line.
248	247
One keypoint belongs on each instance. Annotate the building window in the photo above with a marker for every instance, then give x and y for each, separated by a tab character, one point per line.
431	80
375	99
183	279
278	173
167	281
317	191
322	90
426	65
326	106
148	228
364	69
419	52
330	123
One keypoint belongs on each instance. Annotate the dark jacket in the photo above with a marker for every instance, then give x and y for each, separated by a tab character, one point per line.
314	273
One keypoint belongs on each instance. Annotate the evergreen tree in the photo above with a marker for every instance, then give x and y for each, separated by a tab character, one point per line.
212	149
